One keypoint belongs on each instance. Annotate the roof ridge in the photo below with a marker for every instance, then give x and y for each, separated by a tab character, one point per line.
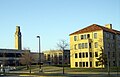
95	27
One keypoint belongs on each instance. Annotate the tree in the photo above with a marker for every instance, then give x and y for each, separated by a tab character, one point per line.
27	59
62	45
102	59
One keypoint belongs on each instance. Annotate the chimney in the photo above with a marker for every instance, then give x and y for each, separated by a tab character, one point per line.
108	26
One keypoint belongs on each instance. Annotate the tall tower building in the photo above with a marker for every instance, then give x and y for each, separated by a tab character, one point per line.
18	39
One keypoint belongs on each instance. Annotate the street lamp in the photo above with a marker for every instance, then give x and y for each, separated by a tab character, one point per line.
39	62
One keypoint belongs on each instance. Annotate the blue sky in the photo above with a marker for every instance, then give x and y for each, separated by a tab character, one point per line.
53	20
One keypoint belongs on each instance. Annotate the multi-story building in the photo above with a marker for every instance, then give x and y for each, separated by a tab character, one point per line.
38	57
55	57
13	56
87	44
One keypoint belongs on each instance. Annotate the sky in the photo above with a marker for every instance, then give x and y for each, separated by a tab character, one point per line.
52	20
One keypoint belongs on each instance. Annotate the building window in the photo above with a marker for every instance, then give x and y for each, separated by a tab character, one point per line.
90	54
83	55
88	35
96	64
113	63
96	54
80	64
79	46
108	54
113	36
60	56
81	36
113	54
96	45
82	45
95	35
84	36
86	45
83	64
48	57
76	64
90	64
75	38
90	46
76	55
86	54
119	63
75	46
80	55
86	64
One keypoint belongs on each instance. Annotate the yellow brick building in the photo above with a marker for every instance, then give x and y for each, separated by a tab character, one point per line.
86	44
55	57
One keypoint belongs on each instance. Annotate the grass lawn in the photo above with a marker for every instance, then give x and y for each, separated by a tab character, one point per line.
68	69
57	71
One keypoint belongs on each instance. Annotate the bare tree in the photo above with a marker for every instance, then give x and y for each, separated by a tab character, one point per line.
27	59
62	46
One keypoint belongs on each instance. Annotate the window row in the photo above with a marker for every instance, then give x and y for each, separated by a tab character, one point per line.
90	64
85	64
85	45
85	54
81	46
85	36
109	35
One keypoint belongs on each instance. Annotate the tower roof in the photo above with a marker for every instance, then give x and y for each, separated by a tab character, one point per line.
95	27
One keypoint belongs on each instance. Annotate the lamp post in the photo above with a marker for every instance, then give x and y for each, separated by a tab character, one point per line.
39	62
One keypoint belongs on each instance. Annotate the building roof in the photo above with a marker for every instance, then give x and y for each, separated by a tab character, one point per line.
95	27
12	51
